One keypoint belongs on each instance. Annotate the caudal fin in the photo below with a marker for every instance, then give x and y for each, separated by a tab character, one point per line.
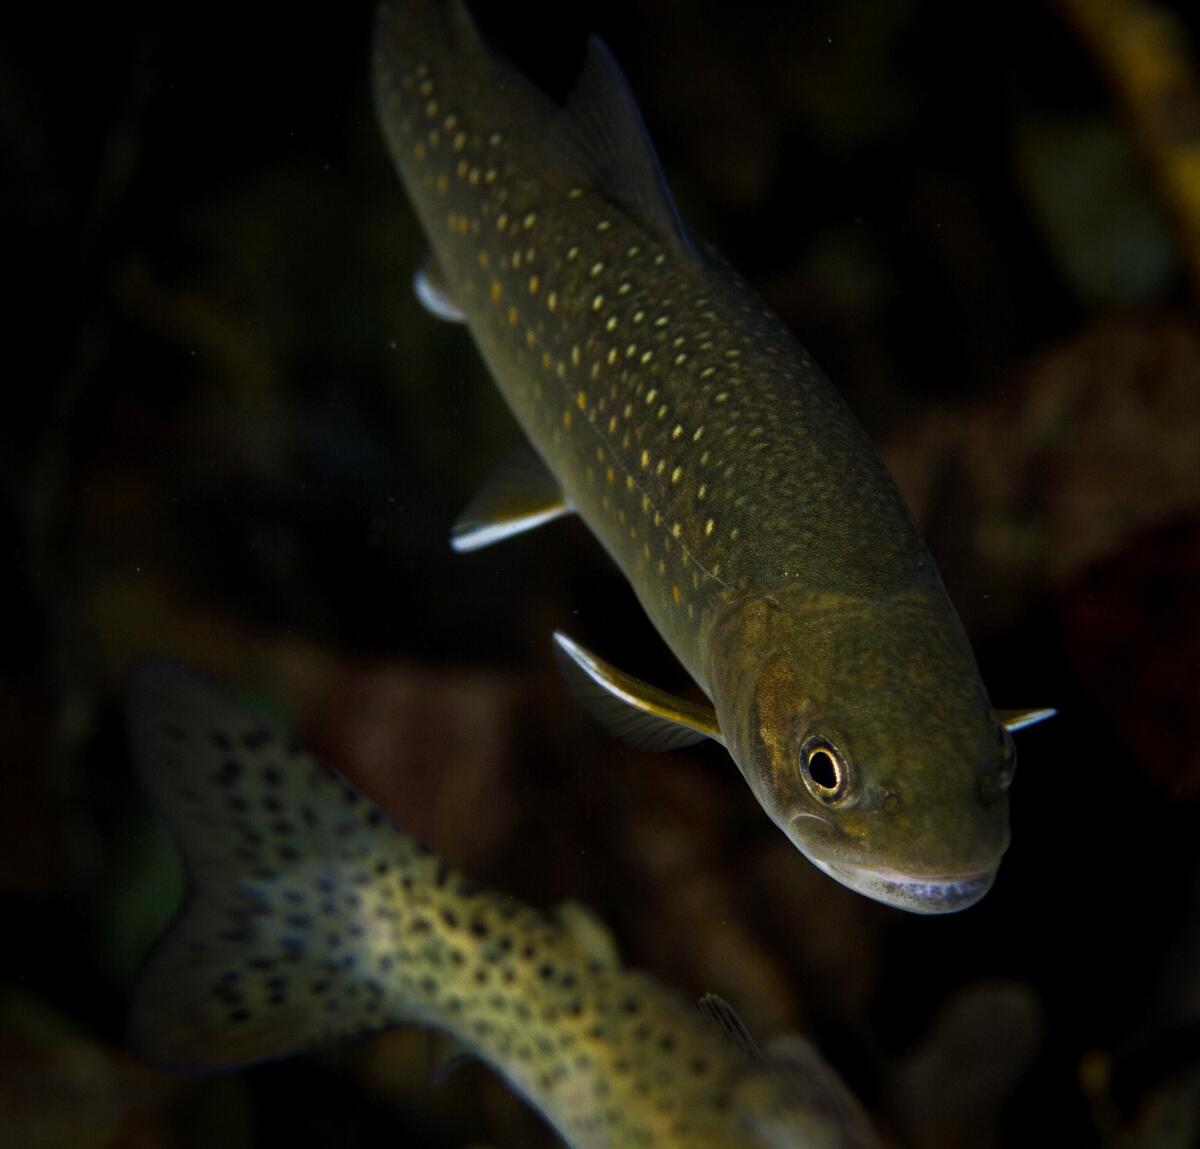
286	937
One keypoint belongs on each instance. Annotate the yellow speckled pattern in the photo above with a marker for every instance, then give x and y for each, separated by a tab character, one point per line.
712	459
310	917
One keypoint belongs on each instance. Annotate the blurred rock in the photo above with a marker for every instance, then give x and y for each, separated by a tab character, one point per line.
1094	445
1131	628
950	1090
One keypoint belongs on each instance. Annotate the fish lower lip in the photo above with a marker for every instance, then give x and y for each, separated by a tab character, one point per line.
917	893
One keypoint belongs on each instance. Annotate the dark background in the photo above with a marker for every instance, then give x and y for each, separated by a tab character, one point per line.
231	435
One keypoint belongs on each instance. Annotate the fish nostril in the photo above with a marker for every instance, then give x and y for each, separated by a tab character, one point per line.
892	803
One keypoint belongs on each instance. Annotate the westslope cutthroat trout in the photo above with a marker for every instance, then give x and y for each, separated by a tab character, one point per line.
311	917
669	407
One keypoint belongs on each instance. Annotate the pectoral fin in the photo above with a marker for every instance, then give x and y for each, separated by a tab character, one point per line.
520	495
632	709
1013	720
433	292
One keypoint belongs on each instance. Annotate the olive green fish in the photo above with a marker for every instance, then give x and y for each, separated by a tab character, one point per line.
310	917
670	408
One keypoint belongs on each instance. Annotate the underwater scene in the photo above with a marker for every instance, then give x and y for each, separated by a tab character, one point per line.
476	681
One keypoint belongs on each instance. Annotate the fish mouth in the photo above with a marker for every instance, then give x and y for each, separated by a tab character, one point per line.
917	893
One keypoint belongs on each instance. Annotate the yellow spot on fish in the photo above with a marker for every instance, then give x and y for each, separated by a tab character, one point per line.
680	359
697	433
632	251
612	356
676	474
484	260
473	177
495	291
638	316
676	530
581	400
552	300
628	412
624	288
647	356
426	88
651	395
645	458
495	139
514	315
597	302
708	527
450	122
533	285
459	142
603	225
502	221
610	475
516	259
629	482
567	418
575	354
529	220
703	490
574	193
596	268
677	431
662	411
489	176
676	594
572	253
431	108
419	151
611	323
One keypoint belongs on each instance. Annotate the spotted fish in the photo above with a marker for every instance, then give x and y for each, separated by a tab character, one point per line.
311	917
668	407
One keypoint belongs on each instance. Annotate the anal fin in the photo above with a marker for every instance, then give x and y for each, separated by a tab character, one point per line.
634	710
520	495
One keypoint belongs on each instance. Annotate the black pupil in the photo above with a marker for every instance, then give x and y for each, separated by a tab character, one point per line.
822	769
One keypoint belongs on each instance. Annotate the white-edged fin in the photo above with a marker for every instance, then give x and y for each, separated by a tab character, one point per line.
1013	720
723	1015
434	295
520	494
272	952
633	710
601	132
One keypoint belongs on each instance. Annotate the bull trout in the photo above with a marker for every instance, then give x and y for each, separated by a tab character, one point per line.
311	917
669	407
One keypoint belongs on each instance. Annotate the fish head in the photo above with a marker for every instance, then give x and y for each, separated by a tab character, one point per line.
863	727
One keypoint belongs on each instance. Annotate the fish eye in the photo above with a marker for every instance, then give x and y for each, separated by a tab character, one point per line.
1008	750
823	770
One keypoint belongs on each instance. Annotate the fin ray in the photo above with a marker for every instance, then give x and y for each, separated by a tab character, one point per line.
635	711
521	494
1013	720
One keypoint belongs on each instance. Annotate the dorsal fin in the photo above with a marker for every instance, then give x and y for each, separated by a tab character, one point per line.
601	132
725	1017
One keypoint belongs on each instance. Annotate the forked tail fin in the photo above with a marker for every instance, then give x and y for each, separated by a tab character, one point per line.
290	929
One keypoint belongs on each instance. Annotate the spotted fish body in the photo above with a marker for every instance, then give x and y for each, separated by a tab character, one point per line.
713	460
310	917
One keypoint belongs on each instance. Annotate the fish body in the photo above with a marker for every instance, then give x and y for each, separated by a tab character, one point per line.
711	457
310	917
